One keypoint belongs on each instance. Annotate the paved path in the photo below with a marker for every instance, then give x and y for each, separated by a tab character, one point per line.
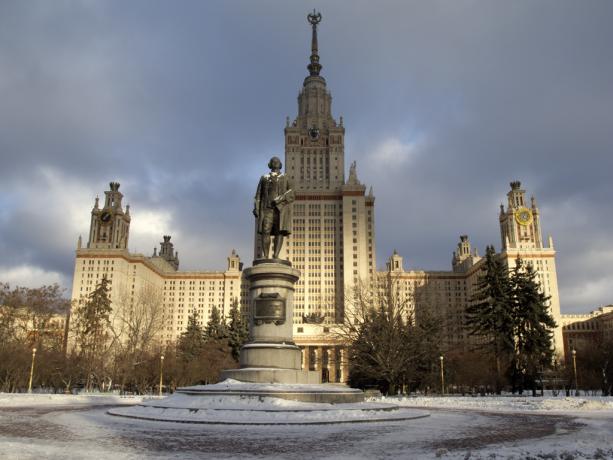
88	432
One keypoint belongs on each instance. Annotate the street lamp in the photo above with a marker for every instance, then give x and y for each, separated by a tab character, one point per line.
442	359
31	370
574	352
161	372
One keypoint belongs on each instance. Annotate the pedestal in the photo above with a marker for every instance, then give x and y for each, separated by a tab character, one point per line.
271	356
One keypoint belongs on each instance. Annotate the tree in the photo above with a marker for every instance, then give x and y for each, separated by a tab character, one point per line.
26	314
191	342
27	318
216	327
489	314
533	327
92	322
595	362
137	324
385	345
238	330
201	357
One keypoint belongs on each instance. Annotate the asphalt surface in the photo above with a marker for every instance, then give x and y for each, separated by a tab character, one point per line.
88	432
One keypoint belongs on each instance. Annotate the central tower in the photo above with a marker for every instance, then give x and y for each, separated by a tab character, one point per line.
314	142
332	239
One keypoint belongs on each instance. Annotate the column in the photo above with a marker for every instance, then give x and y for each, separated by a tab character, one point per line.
319	358
306	358
344	366
332	364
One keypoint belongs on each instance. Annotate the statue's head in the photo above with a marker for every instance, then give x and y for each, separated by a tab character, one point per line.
275	164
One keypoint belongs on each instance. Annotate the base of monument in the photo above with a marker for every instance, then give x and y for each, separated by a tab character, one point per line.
315	393
237	403
271	375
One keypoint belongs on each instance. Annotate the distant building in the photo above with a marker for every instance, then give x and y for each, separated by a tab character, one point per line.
31	327
332	244
580	330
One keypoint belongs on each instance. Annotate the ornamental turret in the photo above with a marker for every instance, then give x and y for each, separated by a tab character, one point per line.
110	225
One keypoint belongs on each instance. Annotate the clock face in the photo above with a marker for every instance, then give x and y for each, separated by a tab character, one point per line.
523	216
314	133
105	217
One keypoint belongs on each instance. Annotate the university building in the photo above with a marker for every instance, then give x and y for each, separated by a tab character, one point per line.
332	244
587	329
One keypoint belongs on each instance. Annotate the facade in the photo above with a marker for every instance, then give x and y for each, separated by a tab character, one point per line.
332	243
580	330
333	232
447	293
155	280
520	232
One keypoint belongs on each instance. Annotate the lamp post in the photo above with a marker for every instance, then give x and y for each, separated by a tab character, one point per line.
31	370
442	359
161	372
574	352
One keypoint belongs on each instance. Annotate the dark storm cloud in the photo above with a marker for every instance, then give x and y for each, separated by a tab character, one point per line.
183	102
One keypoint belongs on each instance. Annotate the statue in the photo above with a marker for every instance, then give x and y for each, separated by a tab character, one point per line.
272	209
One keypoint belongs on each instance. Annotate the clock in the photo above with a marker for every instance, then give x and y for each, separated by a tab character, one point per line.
523	216
314	133
105	217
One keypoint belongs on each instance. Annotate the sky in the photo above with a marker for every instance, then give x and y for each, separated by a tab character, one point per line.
183	103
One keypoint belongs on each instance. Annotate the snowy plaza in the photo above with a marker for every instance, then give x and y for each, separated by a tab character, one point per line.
79	427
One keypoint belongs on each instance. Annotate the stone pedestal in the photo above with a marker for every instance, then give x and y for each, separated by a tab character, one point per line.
271	356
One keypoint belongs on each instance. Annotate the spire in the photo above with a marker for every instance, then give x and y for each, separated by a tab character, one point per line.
314	67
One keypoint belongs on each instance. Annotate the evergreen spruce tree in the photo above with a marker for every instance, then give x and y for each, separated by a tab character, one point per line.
238	330
533	327
489	315
192	340
216	327
92	322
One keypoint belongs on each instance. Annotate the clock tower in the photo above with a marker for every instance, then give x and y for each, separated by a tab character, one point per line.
520	225
110	225
520	231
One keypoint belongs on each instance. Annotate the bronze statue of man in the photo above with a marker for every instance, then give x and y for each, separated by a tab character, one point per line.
272	208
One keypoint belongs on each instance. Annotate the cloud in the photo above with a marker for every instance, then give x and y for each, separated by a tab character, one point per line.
30	276
393	153
443	107
147	226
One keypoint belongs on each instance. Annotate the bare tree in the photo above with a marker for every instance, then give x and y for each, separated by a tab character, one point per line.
137	324
138	320
385	343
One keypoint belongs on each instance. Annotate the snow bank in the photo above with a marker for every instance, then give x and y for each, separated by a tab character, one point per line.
509	403
235	414
236	385
34	399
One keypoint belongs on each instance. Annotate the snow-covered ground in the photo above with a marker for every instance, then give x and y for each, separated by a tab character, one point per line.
78	427
558	405
43	399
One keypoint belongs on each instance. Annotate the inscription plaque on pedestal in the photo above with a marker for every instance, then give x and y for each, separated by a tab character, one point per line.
269	308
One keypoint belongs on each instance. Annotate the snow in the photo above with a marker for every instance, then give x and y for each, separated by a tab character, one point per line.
558	405
233	416
236	385
63	427
234	407
44	399
222	402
